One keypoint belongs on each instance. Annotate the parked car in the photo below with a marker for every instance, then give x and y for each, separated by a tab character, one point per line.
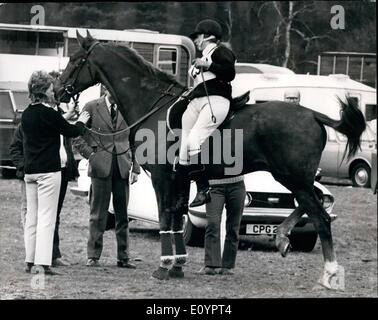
261	68
267	204
374	172
358	168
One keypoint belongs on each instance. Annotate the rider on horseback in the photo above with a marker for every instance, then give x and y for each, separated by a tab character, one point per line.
209	101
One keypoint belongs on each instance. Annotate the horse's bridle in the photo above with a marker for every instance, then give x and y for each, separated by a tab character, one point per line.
70	88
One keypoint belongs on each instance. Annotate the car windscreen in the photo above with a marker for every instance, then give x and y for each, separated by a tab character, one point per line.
246	69
6	107
21	99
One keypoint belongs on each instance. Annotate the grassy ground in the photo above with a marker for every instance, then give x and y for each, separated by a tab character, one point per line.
260	273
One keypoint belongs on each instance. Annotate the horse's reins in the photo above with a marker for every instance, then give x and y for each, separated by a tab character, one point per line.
152	109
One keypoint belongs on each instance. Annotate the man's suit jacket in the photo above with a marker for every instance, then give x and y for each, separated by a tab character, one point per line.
100	161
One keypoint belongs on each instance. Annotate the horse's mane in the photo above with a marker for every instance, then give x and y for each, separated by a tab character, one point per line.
145	67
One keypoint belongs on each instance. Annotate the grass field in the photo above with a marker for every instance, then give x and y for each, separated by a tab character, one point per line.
260	272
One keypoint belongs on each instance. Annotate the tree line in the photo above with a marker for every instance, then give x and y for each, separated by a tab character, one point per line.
285	33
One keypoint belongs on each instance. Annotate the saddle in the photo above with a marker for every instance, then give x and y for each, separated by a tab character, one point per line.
176	110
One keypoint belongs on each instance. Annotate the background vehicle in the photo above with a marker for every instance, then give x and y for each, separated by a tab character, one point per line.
320	94
11	106
25	48
267	204
260	68
358	168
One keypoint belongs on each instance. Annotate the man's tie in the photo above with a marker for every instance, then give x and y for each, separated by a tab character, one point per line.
113	113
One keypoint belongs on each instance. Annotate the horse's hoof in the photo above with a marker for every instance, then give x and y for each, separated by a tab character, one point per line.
327	283
331	281
176	272
283	245
161	274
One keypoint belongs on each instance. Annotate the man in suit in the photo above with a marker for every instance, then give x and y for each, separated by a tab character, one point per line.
110	161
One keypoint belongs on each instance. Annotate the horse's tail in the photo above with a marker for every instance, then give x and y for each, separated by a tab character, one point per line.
352	124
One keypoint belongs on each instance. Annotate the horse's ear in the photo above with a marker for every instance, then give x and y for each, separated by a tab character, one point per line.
89	36
80	39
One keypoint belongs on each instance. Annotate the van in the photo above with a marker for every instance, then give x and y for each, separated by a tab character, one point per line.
320	93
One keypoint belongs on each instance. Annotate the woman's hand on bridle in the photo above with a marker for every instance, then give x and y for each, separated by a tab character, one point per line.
84	117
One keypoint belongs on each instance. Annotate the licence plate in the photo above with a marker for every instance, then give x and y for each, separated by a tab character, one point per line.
261	229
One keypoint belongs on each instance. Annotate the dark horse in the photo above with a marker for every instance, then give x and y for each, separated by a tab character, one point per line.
282	138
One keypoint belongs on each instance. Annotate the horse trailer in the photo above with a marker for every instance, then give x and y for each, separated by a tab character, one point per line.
26	48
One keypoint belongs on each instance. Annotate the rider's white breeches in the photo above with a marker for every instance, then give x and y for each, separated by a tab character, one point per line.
197	124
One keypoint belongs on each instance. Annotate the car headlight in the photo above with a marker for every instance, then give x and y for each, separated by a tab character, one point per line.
247	200
326	201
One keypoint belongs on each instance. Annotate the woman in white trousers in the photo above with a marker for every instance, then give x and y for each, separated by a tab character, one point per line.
42	127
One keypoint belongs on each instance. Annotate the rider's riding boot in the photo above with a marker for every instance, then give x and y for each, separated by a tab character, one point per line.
203	192
193	171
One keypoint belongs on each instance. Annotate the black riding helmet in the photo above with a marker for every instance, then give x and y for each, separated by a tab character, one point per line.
209	27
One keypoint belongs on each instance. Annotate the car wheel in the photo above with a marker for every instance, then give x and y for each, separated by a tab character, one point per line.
193	236
303	241
361	175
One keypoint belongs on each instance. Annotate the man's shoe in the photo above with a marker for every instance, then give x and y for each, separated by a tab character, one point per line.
58	262
208	270
202	197
46	270
92	263
226	272
125	264
28	267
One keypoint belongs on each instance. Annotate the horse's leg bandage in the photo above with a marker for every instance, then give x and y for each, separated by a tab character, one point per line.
167	256
181	255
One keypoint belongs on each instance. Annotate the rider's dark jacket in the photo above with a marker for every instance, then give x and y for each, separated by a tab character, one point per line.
223	67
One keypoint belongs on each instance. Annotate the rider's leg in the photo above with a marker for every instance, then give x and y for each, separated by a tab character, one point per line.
202	129
189	118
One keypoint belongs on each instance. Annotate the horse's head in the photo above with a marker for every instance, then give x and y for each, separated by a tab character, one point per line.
80	73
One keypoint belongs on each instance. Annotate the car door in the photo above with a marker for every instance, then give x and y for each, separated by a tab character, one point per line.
330	156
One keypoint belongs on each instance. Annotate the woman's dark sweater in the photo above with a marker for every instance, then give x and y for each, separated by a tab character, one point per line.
42	127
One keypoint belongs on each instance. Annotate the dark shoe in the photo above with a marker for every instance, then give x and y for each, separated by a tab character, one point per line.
28	267
46	270
226	272
58	262
125	264
92	263
202	197
211	271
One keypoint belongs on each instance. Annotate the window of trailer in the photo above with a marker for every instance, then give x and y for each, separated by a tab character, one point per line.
167	59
